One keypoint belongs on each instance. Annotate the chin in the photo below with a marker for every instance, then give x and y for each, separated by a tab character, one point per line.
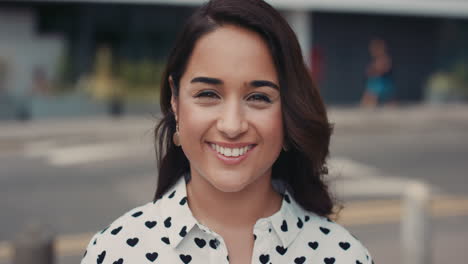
230	182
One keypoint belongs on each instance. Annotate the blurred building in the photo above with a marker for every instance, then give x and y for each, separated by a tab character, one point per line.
45	44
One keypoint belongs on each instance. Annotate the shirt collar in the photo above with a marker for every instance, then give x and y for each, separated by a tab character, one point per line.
174	205
287	222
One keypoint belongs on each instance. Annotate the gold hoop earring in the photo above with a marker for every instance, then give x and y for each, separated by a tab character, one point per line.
175	137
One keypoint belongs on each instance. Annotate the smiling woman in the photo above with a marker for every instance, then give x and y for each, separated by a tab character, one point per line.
241	152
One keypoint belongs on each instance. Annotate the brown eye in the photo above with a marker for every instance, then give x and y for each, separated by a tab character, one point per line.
207	94
259	98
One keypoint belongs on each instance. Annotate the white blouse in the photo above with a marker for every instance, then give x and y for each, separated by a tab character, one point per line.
167	232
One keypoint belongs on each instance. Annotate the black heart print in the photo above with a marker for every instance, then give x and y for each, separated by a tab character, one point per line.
281	250
116	230
214	243
344	245
171	195
152	256
299	260
200	242
313	245
299	223
284	226
101	257
137	214
167	222
185	258
150	224
325	230
264	258
165	240
119	261
183	231
132	241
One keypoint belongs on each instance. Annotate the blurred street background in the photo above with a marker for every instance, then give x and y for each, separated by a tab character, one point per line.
79	91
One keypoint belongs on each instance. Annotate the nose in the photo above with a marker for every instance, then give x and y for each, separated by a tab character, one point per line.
231	121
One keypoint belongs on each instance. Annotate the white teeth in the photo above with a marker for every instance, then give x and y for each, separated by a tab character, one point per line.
227	152
235	152
243	151
230	152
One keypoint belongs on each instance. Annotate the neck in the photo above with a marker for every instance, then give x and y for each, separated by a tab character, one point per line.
217	209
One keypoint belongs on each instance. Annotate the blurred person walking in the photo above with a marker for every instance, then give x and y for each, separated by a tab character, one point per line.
379	84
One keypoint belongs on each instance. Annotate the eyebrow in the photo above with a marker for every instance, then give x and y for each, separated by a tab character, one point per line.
207	80
215	81
261	83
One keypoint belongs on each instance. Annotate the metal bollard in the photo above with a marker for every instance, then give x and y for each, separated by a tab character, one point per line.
34	245
416	224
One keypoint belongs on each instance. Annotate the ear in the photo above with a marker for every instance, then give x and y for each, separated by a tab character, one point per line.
174	99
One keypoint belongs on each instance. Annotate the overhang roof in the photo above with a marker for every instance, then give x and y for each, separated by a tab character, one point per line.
433	8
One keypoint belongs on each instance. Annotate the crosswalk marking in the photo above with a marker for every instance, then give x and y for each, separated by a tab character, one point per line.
343	167
350	178
38	148
63	156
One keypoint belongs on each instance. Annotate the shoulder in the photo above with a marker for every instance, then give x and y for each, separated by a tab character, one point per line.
114	241
143	233
331	242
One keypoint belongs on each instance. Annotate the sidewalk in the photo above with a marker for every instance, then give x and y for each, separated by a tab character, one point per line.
390	119
95	125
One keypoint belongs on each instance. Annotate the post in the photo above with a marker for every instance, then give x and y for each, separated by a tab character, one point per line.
416	224
34	245
301	21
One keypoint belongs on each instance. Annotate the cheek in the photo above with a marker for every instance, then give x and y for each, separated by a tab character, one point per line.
193	124
270	125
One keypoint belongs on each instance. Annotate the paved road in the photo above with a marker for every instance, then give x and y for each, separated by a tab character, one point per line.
77	177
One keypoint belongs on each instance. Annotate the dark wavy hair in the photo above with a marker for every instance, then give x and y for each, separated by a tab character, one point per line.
306	126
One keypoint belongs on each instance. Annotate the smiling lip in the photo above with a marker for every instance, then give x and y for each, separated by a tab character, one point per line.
231	160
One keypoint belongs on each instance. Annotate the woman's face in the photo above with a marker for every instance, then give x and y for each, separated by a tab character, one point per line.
229	109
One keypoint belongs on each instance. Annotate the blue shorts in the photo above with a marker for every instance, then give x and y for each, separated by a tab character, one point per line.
381	87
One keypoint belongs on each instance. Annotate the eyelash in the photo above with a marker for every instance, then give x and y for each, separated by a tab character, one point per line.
260	97
207	94
253	97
